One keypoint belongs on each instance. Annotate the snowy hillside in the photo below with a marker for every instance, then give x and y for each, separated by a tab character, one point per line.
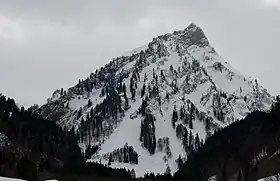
148	109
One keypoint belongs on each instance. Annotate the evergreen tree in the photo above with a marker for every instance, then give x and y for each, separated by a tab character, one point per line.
124	88
168	171
149	89
179	131
88	152
197	142
147	133
182	113
191	140
137	74
145	77
143	90
132	87
239	177
110	159
126	101
143	107
153	143
167	96
171	68
207	124
126	153
27	169
156	78
186	119
91	112
133	175
186	140
79	114
82	127
89	103
162	76
174	117
180	162
191	124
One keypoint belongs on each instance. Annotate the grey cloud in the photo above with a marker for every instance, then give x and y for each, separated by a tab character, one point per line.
45	45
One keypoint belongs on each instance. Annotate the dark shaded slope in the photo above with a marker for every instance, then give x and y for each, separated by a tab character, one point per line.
38	149
239	150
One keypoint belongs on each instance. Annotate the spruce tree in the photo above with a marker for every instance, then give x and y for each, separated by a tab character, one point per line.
124	88
162	76
27	169
147	134
207	124
191	124
89	103
171	68
174	117
182	113
197	142
191	140
133	176
168	171
88	152
186	139
180	162
143	90
145	77
110	159
167	96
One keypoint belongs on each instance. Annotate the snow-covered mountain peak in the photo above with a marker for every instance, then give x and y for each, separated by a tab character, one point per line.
195	34
192	35
156	103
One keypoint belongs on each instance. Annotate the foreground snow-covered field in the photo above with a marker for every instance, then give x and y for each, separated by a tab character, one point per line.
14	179
9	179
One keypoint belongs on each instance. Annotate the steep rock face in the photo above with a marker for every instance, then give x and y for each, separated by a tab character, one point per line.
161	101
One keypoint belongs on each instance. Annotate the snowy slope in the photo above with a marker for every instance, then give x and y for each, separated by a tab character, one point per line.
179	70
271	178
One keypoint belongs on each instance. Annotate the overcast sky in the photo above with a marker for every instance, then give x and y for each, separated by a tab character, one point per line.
46	45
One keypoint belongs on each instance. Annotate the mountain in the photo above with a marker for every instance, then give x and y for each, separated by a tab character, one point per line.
156	104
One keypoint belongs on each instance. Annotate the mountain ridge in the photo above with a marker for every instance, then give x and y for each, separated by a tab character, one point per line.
139	108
